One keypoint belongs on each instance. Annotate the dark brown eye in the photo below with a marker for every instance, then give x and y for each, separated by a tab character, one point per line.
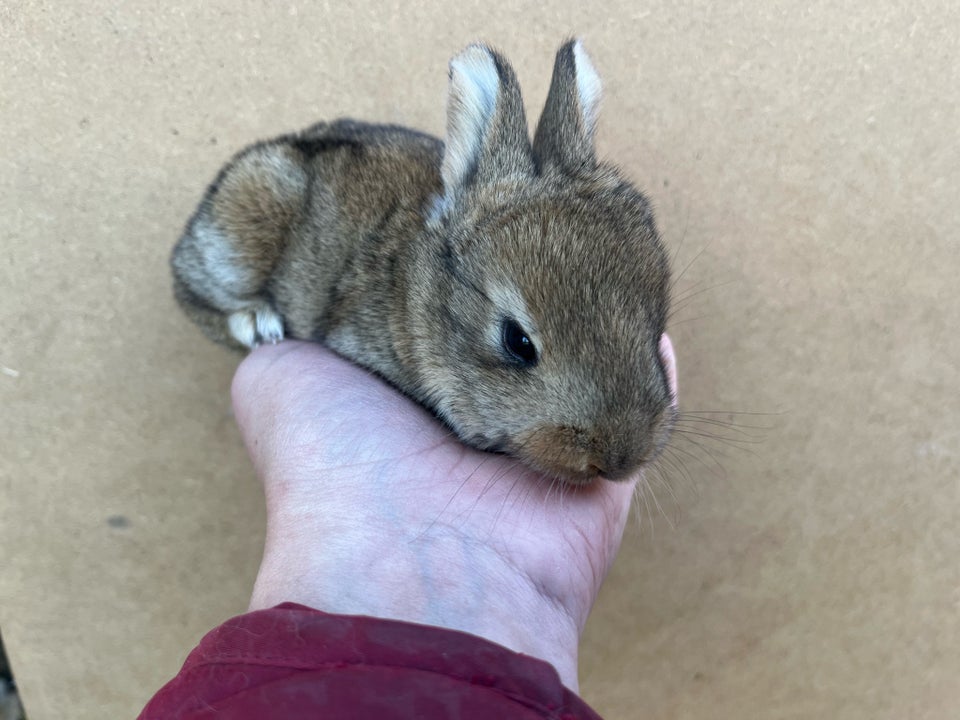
518	344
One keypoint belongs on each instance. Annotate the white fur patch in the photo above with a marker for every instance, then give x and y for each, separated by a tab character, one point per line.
436	208
243	327
589	87
227	277
269	325
474	87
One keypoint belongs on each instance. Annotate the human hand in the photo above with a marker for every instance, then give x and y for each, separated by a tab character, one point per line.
374	508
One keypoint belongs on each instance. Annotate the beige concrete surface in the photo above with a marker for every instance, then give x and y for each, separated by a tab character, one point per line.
805	161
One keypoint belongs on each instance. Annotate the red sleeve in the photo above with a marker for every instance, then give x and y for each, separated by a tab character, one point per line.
293	662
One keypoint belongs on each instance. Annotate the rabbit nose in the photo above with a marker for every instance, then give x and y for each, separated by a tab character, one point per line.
607	464
595	469
606	456
615	466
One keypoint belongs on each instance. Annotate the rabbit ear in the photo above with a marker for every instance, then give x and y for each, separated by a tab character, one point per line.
487	136
565	131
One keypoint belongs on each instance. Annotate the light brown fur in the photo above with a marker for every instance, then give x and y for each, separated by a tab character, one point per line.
411	257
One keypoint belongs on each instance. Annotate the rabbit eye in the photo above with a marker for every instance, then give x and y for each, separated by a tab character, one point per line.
518	344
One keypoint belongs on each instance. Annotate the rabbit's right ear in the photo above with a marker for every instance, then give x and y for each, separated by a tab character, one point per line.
565	132
487	137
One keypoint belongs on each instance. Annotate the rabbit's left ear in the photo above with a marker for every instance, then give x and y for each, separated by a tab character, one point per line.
487	137
565	132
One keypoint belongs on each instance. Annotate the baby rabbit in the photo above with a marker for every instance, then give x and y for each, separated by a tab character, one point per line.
518	290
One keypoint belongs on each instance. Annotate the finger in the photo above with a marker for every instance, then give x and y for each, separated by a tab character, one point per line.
256	382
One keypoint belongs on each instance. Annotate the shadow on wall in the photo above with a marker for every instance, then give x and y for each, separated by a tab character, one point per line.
10	708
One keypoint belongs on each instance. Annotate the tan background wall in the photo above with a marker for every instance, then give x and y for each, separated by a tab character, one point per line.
805	160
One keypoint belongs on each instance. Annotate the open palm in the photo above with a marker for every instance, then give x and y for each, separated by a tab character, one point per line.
375	508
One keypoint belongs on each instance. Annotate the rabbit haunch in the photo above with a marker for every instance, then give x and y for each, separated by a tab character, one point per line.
518	289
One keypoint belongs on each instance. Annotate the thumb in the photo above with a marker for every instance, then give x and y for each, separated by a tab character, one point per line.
268	388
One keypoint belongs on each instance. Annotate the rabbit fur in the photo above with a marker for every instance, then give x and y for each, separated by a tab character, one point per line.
517	289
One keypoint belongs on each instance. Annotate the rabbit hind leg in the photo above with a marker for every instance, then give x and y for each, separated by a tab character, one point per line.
253	327
223	263
242	329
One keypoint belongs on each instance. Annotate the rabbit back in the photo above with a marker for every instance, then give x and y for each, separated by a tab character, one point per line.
276	244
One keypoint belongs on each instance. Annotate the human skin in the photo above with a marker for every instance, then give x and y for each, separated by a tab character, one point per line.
375	508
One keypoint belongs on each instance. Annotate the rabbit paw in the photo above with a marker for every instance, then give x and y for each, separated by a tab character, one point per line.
251	328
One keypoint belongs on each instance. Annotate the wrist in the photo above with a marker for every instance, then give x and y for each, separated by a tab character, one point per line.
321	554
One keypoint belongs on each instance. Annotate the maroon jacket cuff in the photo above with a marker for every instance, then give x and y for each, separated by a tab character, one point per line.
294	662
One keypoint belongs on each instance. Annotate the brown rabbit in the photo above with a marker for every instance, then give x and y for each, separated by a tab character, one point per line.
519	291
